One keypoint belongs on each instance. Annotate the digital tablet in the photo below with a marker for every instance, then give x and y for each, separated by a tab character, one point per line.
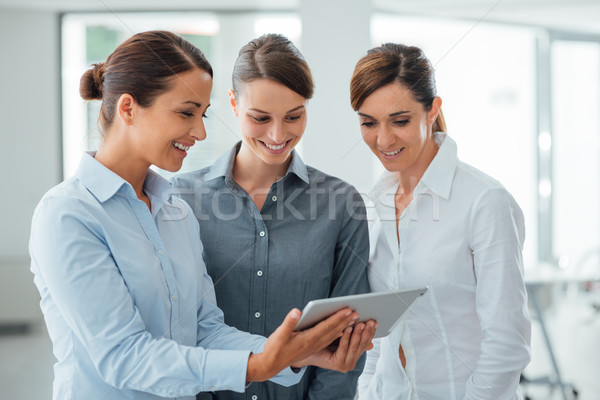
384	307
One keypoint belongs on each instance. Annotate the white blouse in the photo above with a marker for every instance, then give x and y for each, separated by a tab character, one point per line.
462	235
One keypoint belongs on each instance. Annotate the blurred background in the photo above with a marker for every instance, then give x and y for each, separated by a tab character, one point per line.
520	84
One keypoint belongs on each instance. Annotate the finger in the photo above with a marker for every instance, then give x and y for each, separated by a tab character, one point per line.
333	327
289	323
354	349
342	347
367	336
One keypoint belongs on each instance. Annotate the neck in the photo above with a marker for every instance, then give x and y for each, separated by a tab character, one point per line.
250	172
118	159
410	178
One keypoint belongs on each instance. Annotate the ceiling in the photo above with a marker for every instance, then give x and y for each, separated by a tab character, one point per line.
568	15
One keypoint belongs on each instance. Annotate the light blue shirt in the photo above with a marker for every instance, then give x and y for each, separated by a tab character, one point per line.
127	301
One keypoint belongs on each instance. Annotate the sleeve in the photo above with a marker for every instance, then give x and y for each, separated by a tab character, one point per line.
73	260
349	277
496	238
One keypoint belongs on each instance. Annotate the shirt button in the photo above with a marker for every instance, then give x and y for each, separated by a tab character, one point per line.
174	298
254	397
262	233
257	314
274	198
259	273
160	252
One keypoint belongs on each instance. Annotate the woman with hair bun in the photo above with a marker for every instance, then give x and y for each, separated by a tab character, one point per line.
118	260
300	233
444	224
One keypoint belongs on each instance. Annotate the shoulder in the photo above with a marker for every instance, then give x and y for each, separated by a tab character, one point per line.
190	179
488	199
478	181
319	178
68	201
70	193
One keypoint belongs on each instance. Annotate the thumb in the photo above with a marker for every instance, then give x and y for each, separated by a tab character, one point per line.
290	321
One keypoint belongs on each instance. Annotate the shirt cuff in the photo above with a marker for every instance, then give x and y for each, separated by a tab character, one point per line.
225	370
289	376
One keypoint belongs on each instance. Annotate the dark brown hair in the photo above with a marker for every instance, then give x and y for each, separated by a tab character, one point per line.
395	63
142	66
273	56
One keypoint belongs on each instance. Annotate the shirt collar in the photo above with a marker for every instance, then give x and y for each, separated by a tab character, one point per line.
438	177
223	167
104	183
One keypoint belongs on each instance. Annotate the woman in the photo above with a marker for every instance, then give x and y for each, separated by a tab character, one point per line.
118	261
298	233
444	224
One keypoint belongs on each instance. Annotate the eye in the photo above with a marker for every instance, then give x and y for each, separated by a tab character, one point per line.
401	122
367	124
293	118
186	113
260	120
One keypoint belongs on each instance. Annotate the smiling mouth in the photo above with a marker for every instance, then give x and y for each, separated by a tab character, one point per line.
275	147
180	146
392	153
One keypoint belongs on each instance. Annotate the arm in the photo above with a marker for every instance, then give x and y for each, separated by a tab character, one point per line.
70	255
349	277
496	237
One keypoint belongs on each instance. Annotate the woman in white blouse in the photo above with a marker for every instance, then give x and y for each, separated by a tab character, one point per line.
441	223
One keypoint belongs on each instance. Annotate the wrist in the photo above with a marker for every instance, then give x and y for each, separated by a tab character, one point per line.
258	368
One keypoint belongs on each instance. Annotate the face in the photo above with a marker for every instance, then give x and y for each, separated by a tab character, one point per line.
272	119
397	128
163	133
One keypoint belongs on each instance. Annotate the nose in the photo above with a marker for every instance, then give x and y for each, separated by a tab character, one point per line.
198	132
385	137
277	132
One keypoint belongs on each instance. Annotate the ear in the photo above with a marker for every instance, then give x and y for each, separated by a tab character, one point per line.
232	101
432	114
126	108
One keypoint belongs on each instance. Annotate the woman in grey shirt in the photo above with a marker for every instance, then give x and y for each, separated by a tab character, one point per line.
277	233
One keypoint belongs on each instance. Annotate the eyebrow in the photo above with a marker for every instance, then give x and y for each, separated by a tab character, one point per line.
287	112
192	102
391	115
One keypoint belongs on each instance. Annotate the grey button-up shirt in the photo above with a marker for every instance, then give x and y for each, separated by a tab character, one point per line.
310	240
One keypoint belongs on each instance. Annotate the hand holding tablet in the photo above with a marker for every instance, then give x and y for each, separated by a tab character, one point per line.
386	308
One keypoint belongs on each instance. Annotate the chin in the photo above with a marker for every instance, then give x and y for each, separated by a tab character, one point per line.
170	168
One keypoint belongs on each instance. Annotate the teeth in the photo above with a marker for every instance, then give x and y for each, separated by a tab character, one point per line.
181	147
391	153
275	147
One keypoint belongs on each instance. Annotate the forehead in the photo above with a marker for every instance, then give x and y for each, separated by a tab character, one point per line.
268	95
390	98
194	85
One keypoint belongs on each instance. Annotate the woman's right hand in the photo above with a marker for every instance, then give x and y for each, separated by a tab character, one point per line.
285	347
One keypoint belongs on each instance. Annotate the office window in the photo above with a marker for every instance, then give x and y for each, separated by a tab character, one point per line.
576	152
486	78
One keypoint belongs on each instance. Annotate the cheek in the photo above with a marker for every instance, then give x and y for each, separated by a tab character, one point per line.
299	128
251	130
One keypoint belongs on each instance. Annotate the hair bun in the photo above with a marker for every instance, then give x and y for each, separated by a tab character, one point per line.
90	85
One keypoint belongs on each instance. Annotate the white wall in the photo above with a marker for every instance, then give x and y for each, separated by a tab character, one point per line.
30	146
332	42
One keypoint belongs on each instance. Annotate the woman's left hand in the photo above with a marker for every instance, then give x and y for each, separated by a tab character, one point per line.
343	357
